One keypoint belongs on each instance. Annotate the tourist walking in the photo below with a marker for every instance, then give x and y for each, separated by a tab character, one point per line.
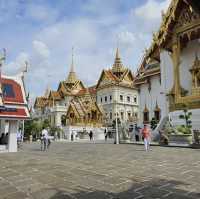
105	134
19	139
72	136
45	139
2	138
91	135
146	134
137	133
41	142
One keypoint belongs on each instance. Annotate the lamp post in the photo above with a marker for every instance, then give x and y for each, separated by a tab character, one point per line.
116	127
116	119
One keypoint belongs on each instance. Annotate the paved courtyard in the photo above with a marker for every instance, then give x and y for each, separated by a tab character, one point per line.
98	171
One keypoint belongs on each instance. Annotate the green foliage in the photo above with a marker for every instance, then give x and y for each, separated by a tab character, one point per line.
114	123
183	129
186	129
46	123
168	129
55	129
34	127
154	123
28	127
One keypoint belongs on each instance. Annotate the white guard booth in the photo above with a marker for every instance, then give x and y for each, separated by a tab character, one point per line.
13	108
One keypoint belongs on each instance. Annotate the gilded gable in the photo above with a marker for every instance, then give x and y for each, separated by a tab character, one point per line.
187	17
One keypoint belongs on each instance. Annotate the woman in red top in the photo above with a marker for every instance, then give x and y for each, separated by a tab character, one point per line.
147	136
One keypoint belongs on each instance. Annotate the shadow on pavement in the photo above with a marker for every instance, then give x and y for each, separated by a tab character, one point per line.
150	189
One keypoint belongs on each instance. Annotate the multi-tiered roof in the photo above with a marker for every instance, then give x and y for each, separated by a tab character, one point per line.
117	75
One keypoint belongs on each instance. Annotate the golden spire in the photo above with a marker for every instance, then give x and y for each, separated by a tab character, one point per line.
87	95
72	75
145	108
157	107
117	66
47	92
117	54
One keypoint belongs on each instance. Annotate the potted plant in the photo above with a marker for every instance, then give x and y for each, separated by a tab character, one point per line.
83	134
183	134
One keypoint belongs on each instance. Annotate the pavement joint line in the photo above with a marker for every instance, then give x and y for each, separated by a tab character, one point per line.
138	189
190	191
165	185
140	196
168	194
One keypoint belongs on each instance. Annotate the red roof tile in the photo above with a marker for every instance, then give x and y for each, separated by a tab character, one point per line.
17	91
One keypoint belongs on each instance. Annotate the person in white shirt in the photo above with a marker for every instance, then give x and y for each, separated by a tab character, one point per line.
45	139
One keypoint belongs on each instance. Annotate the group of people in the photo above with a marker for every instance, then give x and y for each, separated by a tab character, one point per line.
45	140
4	139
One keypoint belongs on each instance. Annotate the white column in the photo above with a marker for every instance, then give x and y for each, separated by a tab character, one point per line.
2	126
12	140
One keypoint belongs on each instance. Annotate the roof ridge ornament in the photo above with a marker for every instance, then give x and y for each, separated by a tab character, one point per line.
2	59
118	67
72	74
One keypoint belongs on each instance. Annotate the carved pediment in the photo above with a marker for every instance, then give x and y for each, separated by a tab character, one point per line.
195	72
104	81
187	17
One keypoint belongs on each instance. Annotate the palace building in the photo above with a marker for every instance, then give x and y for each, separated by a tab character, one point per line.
76	108
117	94
72	106
168	78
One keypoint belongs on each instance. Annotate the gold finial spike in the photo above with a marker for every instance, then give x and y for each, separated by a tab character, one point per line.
117	54
117	50
196	56
48	89
72	64
72	75
3	57
162	14
25	69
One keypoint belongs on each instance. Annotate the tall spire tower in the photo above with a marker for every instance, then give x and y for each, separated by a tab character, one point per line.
72	75
117	68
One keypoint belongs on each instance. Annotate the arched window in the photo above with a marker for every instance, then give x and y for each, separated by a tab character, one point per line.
145	115
94	115
157	112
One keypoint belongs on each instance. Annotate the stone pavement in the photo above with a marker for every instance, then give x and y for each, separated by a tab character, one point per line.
98	171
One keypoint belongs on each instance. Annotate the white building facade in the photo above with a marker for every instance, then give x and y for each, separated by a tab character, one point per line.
176	50
117	94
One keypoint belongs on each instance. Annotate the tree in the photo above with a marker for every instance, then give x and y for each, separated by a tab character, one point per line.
46	124
187	117
188	122
154	123
32	127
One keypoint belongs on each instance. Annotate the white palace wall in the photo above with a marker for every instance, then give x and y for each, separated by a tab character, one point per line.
149	98
187	59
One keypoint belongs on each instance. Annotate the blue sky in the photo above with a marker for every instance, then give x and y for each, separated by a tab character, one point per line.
43	32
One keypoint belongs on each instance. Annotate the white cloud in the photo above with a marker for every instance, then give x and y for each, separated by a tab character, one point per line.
41	49
42	13
94	37
152	9
127	38
18	65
